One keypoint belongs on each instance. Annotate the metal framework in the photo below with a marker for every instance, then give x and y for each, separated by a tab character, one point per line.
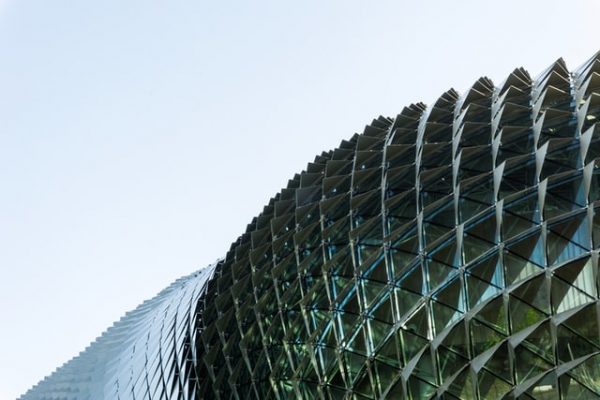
148	354
449	253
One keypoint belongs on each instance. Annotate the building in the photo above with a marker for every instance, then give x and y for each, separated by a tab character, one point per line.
450	253
147	354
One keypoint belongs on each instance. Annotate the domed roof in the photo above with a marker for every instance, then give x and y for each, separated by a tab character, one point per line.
448	252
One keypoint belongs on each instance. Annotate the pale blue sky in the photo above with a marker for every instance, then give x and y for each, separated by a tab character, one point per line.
138	138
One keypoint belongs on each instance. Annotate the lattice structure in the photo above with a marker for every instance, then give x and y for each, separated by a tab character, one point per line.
448	253
148	354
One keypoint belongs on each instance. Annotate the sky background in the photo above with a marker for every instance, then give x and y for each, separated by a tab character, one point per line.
138	138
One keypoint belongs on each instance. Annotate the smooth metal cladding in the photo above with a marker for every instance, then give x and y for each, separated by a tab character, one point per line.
448	253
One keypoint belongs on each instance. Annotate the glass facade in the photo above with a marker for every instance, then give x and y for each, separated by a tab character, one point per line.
148	354
448	253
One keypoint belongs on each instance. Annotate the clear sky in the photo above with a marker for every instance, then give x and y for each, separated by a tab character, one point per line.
138	138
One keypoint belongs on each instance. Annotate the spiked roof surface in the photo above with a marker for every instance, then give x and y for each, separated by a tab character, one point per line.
450	252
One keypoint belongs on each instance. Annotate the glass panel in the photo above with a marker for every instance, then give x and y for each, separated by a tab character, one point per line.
588	373
565	242
411	345
571	389
449	362
474	248
530	248
479	291
528	365
490	386
401	262
585	323
439	273
517	269
424	369
405	302
452	294
443	316
546	388
420	389
571	346
483	337
419	323
500	363
581	274
389	352
457	339
566	297
535	292
540	341
494	313
383	310
462	386
353	364
523	315
376	334
383	375
489	270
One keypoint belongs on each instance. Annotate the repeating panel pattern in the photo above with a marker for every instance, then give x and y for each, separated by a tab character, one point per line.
448	253
148	354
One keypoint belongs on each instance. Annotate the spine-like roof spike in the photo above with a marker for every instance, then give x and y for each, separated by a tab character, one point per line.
450	252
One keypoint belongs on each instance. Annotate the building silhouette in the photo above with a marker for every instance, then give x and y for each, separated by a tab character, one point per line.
450	252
